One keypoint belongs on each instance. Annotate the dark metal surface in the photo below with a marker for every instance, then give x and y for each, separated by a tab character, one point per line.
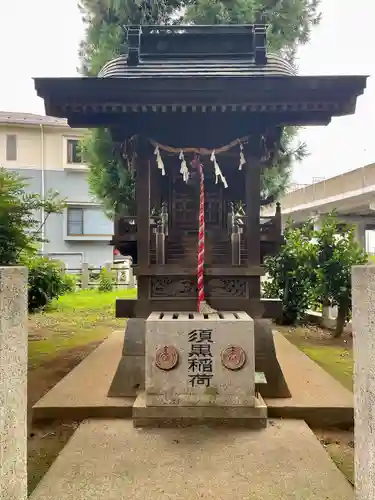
184	41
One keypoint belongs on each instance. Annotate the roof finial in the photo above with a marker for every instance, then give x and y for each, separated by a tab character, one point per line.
134	45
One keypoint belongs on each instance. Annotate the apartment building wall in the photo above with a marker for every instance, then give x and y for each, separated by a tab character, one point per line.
42	153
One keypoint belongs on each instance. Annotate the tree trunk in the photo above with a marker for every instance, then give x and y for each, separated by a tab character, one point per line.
340	321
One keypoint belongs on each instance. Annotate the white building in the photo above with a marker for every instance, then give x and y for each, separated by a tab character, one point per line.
45	151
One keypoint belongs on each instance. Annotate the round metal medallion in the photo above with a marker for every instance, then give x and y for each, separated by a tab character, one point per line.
166	357
233	357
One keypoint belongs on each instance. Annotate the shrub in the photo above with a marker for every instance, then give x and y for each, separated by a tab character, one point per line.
46	282
313	269
94	274
105	281
291	273
70	283
338	251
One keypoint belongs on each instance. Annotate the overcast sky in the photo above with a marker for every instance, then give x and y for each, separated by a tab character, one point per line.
41	37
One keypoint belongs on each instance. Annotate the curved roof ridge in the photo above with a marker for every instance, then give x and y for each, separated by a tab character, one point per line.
118	67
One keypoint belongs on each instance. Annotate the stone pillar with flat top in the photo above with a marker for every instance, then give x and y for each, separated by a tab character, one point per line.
363	324
13	383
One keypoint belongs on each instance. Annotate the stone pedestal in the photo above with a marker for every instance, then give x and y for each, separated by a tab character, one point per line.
129	378
363	324
13	383
130	374
250	417
200	368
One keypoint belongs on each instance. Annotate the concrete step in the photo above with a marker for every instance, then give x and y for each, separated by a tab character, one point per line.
111	460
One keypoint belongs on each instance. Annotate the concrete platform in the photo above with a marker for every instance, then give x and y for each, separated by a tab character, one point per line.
110	460
186	416
316	396
83	392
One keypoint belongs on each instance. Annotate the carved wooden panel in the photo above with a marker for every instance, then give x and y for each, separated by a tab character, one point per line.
219	287
174	288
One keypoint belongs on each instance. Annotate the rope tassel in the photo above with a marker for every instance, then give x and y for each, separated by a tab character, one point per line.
218	172
159	160
184	171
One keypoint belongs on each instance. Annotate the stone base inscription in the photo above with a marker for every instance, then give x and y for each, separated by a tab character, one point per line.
215	353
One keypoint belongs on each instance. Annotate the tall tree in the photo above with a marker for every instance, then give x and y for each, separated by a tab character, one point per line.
104	40
290	23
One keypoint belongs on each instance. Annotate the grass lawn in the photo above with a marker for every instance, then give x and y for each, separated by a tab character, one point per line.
336	357
59	339
75	320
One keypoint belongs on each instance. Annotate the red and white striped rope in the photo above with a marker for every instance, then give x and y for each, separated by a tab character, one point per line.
201	236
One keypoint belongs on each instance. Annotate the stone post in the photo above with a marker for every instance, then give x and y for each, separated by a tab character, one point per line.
131	282
363	323
85	276
13	383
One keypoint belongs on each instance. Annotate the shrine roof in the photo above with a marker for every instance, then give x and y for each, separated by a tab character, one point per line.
199	69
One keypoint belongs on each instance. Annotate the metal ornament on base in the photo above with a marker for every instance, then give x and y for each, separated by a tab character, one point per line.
166	358
233	357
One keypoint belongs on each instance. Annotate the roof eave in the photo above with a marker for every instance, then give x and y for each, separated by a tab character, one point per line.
60	93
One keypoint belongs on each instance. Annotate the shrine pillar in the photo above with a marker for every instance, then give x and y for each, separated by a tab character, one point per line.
143	195
252	201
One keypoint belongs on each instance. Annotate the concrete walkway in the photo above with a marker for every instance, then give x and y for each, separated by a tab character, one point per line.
83	392
110	460
316	396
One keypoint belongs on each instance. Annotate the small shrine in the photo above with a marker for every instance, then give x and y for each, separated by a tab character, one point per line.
196	113
188	102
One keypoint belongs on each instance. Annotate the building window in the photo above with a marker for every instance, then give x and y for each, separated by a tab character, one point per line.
75	155
75	221
11	147
87	221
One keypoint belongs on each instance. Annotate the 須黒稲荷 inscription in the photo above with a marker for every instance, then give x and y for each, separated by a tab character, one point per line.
200	366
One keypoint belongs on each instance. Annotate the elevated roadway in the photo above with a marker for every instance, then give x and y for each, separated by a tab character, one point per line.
351	194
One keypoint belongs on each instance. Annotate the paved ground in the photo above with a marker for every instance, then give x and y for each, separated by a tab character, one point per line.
316	396
306	379
110	460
